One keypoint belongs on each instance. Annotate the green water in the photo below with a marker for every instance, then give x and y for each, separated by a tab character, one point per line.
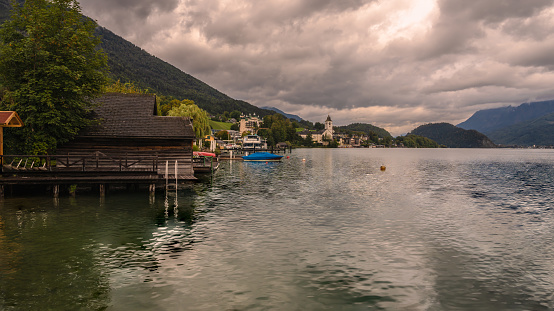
324	230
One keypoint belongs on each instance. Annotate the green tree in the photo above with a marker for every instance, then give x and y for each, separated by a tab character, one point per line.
308	141
124	88
52	70
200	119
223	135
235	114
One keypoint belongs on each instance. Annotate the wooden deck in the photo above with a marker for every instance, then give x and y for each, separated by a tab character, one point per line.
95	169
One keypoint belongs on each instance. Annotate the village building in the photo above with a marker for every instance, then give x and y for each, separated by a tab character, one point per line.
250	123
323	136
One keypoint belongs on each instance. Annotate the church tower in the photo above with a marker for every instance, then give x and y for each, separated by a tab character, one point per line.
329	127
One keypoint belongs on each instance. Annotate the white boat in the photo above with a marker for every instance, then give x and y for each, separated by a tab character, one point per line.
253	142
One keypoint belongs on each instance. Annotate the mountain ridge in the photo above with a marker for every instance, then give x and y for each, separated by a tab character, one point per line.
287	115
489	120
536	132
453	136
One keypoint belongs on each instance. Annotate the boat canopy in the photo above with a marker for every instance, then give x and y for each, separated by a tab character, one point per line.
203	154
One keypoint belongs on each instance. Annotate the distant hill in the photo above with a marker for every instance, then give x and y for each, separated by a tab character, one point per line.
535	132
129	63
363	127
490	120
453	137
287	115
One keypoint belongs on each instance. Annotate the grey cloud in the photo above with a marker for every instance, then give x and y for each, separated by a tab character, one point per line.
491	11
128	17
347	57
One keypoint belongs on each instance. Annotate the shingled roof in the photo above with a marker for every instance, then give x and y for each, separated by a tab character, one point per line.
134	115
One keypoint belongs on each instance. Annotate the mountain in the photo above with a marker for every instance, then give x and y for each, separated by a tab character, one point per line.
535	132
287	115
490	120
129	63
5	8
453	137
364	127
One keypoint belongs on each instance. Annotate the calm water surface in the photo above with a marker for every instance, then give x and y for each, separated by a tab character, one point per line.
447	229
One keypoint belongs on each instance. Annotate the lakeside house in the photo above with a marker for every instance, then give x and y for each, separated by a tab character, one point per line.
129	124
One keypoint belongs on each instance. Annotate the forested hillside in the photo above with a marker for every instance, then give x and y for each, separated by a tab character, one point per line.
129	63
489	120
453	137
4	10
535	132
363	127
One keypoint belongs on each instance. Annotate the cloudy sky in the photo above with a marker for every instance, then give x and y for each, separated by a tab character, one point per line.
392	63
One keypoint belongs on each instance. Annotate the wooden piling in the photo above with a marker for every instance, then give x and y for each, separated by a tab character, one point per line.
56	191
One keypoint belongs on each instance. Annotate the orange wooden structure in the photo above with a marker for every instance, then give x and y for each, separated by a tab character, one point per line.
7	119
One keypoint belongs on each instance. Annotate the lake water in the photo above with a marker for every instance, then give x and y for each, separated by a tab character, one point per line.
439	229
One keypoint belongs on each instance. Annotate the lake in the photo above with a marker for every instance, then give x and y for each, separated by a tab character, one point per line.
326	229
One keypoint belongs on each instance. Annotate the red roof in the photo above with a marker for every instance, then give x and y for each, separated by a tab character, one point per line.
10	119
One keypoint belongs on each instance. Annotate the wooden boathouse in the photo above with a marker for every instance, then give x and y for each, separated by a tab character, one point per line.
130	145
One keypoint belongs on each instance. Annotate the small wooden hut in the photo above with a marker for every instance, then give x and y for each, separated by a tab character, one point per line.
7	119
129	125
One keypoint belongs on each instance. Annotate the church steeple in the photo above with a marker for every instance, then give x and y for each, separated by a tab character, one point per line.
329	127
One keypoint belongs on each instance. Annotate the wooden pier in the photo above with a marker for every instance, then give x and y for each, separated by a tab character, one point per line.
96	169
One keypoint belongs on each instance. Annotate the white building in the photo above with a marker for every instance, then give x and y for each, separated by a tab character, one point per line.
250	124
323	136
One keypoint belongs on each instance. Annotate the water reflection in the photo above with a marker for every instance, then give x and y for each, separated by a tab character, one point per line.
76	251
438	230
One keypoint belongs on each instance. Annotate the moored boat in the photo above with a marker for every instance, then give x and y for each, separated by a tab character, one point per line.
262	156
204	162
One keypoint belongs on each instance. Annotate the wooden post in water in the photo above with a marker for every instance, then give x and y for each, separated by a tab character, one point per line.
166	174
1	191
56	191
102	190
176	176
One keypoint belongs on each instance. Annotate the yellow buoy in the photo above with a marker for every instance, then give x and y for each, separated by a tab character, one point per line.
383	167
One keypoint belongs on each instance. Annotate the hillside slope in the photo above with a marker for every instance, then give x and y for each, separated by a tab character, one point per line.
364	127
490	120
453	137
535	132
287	115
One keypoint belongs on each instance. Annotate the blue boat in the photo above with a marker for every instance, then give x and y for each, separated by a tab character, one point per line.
262	156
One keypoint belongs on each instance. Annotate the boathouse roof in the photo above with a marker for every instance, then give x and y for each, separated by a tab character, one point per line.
10	119
134	115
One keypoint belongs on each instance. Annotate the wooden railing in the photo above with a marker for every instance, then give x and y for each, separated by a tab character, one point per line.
96	161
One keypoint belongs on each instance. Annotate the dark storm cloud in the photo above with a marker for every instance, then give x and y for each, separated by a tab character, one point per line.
394	63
